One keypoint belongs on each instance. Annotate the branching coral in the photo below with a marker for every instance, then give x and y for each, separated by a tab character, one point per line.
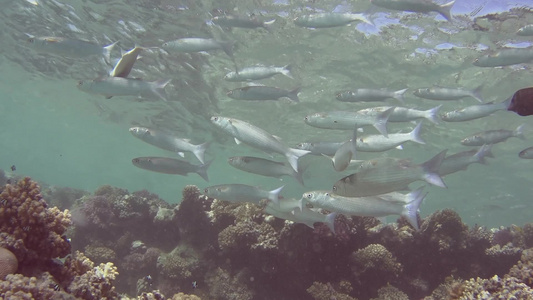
321	291
375	258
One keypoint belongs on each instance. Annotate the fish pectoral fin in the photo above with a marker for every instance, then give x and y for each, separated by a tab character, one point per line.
237	141
109	97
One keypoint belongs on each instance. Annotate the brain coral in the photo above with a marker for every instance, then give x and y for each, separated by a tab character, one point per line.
8	263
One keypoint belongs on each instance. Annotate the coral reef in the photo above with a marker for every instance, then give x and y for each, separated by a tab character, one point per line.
8	263
321	291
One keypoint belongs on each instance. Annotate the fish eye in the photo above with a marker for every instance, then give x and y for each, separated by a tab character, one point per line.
306	118
308	196
334	188
80	83
135	160
327	194
214	118
219	189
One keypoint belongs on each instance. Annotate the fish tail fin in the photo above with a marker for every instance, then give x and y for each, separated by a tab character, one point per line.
431	169
202	170
519	132
482	152
159	88
273	195
477	94
299	175
293	95
293	155
415	134
381	121
199	151
107	52
432	114
330	221
507	103
445	10
286	70
398	95
410	211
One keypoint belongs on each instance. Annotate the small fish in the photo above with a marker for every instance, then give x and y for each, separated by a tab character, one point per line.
126	62
242	22
170	166
169	142
376	206
379	143
370	95
70	47
263	93
257	73
320	148
460	161
264	167
394	175
349	120
442	93
305	215
239	193
421	6
526	30
198	45
257	138
404	114
526	153
13	168
118	86
493	136
522	102
505	57
328	20
475	111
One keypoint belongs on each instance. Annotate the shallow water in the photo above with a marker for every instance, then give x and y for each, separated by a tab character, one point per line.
55	133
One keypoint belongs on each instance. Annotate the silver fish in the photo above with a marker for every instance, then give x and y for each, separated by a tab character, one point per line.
505	57
199	44
526	30
70	47
526	153
370	95
345	153
304	216
320	148
170	166
388	177
379	143
118	86
327	20
460	161
240	193
443	93
242	22
493	136
257	138
126	62
257	73
264	167
376	206
422	6
404	114
169	142
475	111
349	120
263	93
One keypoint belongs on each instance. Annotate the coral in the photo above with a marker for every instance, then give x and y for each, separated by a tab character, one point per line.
523	270
16	286
182	264
375	258
100	254
96	283
391	293
28	228
496	288
224	286
445	230
8	263
320	291
249	235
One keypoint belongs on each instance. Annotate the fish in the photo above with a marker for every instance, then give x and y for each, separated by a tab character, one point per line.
328	20
305	215
198	45
118	86
392	175
526	30
71	48
240	193
257	73
345	153
370	95
460	161
349	120
265	167
422	6
320	148
257	138
242	22
505	57
493	136
404	114
126	62
376	206
169	142
263	93
475	111
443	93
379	143
168	165
522	102
526	153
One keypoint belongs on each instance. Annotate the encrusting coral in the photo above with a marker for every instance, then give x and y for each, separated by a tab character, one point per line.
8	263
